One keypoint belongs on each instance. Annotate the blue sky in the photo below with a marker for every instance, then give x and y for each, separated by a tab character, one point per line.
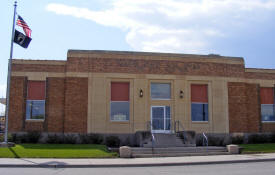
242	28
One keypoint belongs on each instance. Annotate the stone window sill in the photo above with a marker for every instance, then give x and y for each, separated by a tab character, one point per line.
200	122
35	120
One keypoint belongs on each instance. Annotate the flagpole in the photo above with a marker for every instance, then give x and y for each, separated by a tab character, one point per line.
9	77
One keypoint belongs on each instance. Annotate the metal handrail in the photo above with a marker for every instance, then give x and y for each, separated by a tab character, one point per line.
152	134
177	125
206	139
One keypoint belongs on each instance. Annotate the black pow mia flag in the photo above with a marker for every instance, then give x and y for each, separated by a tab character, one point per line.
21	39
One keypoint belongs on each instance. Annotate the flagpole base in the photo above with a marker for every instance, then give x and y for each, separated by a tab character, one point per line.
5	144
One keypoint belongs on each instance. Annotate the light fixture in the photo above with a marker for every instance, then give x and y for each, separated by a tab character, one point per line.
181	94
140	93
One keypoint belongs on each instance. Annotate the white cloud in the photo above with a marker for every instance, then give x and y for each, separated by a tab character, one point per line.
174	26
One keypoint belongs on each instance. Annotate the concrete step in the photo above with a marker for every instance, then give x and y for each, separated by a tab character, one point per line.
178	154
177	151
166	140
149	145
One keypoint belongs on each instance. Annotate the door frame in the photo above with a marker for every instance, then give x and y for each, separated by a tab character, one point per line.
164	118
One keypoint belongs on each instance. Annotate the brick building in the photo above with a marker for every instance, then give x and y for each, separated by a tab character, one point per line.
113	92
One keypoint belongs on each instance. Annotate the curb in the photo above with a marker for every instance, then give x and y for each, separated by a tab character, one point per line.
131	165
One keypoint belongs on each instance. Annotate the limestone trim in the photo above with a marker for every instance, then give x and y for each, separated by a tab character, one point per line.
268	121
37	75
77	74
43	75
90	101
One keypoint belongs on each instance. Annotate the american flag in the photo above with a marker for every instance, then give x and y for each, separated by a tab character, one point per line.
20	22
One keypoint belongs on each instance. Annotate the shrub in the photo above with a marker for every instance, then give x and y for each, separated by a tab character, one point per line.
272	138
112	141
237	139
191	133
54	138
2	138
22	138
33	137
181	135
91	138
96	138
14	137
84	138
199	140
215	141
227	140
258	138
70	139
146	134
127	142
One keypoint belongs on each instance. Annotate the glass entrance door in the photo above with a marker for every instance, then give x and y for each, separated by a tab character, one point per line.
160	119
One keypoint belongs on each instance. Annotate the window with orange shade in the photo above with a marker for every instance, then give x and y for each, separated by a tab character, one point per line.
35	104
199	102
120	105
267	104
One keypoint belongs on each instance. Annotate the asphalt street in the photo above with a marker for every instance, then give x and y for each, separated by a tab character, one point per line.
266	168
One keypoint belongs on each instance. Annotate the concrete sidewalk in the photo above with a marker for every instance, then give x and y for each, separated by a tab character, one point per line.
134	162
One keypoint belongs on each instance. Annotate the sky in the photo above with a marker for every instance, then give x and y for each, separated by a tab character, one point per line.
242	28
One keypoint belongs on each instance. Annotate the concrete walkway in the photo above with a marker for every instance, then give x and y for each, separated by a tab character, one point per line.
134	162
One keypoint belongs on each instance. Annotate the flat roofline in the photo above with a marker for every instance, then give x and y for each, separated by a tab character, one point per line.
46	62
259	70
153	56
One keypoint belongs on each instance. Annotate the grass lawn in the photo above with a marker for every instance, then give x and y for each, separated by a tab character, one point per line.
56	151
258	148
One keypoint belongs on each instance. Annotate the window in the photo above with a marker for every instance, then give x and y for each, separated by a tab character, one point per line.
160	91
199	102
120	105
267	104
35	107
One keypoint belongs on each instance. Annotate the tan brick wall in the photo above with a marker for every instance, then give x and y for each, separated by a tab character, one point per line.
244	107
55	104
76	104
17	105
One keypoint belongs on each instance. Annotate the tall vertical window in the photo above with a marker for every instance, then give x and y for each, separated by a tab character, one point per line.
160	91
199	102
267	104
35	107
120	102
